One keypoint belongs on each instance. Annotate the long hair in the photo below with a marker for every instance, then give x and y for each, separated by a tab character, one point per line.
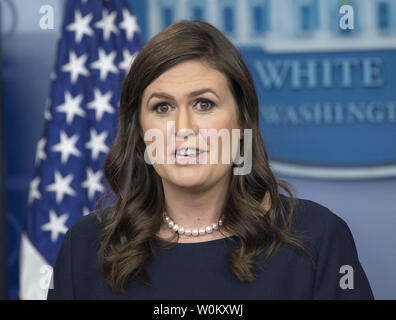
253	210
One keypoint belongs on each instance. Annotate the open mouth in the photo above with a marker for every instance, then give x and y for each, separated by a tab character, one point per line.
187	152
187	156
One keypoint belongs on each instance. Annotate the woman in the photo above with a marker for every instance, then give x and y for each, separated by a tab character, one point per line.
185	228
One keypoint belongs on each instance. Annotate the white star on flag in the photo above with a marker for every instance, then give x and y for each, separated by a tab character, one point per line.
56	225
67	146
61	186
76	66
92	183
97	143
107	24
128	60
105	64
86	211
101	104
81	26
71	107
34	193
47	111
40	153
129	24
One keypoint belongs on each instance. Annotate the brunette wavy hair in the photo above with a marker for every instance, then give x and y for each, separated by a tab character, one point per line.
253	210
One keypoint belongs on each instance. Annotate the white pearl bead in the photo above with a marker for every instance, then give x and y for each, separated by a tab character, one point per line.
195	232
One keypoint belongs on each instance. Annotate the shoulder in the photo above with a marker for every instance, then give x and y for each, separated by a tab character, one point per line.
314	216
319	225
76	265
330	240
83	242
87	225
85	233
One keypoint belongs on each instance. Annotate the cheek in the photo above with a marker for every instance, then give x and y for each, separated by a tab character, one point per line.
155	141
221	138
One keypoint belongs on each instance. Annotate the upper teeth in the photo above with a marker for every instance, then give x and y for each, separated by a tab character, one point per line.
186	151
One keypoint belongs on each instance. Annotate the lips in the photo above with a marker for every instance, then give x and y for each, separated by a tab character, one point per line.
187	151
187	155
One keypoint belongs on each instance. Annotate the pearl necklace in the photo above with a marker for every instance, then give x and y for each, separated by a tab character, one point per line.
193	232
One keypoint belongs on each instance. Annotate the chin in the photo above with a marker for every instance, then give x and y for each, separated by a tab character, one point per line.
188	177
189	185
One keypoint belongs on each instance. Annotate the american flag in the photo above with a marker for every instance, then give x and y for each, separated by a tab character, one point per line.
98	43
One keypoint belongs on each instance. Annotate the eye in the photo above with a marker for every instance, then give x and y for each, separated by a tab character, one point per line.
161	108
205	104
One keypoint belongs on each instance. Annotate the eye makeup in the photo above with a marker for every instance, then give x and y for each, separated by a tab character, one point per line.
206	101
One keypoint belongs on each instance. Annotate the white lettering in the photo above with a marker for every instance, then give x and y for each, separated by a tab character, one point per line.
47	20
46	281
347	20
346	281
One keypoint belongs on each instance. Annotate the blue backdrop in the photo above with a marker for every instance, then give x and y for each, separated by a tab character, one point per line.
327	104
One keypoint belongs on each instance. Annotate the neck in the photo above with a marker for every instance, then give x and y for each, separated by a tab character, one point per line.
195	208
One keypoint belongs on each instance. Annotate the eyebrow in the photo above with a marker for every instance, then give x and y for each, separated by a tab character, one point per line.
190	95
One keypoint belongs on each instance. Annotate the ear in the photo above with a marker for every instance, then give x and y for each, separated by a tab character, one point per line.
266	203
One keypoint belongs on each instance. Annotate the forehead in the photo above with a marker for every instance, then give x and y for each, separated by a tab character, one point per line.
189	76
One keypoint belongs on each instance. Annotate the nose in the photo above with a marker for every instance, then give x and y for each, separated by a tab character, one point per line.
184	124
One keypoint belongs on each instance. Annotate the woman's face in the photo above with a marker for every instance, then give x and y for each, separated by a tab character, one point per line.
194	96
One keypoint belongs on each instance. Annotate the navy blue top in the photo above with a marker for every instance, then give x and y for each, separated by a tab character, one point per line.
201	270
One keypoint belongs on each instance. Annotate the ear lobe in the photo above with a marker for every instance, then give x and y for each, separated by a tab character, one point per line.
266	203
